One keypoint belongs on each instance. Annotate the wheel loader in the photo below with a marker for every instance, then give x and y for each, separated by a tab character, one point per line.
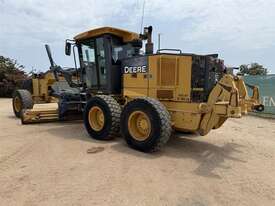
144	96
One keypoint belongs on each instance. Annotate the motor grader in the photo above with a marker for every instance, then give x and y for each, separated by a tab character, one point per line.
144	96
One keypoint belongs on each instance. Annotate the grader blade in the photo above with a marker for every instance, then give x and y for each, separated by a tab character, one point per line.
40	113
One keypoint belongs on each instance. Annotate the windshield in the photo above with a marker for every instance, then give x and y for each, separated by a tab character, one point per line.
122	51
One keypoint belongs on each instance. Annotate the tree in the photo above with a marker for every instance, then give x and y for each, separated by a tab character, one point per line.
252	69
11	76
10	69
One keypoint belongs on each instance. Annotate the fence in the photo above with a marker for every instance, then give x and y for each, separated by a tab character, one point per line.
267	92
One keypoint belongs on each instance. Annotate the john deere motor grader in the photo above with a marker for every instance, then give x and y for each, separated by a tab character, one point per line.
143	96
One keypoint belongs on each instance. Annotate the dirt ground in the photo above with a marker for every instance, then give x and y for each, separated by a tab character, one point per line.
48	164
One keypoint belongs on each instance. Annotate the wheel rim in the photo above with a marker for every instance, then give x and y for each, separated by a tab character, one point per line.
17	104
139	125
96	118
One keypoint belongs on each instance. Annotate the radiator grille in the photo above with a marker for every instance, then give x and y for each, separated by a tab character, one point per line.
167	71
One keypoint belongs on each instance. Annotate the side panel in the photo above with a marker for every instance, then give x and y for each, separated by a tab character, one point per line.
170	77
135	81
184	116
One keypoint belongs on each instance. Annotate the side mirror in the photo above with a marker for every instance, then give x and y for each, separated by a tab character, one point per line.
68	47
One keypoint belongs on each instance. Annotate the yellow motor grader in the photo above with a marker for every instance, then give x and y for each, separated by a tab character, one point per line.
144	96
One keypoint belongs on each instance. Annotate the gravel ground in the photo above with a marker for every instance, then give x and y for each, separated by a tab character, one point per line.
48	164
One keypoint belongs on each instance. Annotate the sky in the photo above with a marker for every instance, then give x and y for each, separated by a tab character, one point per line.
240	31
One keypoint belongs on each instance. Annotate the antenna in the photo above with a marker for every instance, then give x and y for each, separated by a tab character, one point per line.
159	35
142	17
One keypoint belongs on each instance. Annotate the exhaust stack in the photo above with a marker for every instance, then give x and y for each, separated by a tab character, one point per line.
147	35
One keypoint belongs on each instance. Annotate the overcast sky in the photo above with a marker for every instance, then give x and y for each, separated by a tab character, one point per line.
240	31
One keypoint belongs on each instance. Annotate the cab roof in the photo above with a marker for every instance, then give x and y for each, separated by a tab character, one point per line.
126	36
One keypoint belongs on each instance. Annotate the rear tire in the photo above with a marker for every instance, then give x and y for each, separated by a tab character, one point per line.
22	99
101	117
148	138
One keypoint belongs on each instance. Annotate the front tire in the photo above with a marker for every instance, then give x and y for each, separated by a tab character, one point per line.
22	99
101	117
145	124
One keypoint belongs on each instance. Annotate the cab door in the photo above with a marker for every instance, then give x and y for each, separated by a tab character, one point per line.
101	68
101	63
87	58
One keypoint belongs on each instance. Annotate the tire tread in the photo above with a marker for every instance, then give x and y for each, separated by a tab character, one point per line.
115	112
164	116
26	99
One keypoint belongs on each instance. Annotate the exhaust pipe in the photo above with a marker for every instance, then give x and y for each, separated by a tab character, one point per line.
147	35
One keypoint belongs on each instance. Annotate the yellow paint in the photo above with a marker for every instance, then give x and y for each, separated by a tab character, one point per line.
96	118
139	125
41	113
125	35
170	73
41	88
17	104
135	86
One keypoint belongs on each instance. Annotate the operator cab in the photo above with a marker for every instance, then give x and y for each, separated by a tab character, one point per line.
100	54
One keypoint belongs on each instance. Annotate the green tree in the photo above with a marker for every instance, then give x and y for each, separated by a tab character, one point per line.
252	69
10	69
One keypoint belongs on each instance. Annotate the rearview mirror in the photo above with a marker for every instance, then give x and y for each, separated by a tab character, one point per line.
68	46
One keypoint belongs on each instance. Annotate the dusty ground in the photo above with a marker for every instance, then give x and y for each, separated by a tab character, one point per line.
48	164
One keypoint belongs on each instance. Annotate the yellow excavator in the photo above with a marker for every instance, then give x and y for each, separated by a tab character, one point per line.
143	96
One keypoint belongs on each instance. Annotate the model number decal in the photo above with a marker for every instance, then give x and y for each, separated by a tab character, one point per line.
133	70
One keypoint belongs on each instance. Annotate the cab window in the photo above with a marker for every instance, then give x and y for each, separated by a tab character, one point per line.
100	53
89	63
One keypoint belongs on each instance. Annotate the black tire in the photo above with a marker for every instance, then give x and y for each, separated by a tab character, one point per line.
25	98
160	124
111	110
